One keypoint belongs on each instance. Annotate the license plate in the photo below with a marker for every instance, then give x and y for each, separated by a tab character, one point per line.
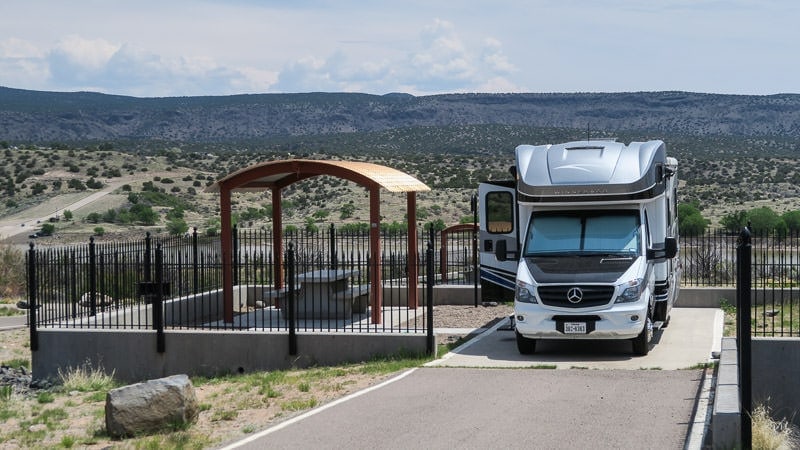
574	327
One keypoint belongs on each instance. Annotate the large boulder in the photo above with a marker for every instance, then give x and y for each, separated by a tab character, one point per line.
151	406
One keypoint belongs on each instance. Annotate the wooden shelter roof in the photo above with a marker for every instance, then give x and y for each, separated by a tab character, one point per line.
281	173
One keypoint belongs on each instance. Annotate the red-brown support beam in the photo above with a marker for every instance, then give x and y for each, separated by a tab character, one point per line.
376	288
413	259
226	244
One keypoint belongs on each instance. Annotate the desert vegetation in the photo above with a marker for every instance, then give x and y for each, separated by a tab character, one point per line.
161	186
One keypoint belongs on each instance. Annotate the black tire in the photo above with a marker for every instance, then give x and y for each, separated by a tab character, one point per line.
641	343
526	346
660	312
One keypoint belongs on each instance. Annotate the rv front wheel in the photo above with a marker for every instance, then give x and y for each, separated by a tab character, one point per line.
641	343
526	346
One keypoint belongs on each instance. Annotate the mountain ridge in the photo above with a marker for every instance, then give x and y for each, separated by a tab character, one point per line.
40	116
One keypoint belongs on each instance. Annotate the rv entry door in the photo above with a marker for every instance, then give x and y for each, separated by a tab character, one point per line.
498	239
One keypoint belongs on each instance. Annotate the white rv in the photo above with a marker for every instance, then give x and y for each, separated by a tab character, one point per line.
584	238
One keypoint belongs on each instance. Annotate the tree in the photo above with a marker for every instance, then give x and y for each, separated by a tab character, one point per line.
311	227
99	231
792	220
67	215
177	226
690	220
346	211
734	222
764	220
144	214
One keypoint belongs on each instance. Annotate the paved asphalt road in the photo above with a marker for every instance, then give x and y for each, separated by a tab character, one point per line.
494	398
13	322
461	408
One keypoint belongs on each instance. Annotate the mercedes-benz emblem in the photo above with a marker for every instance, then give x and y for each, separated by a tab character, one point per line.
575	295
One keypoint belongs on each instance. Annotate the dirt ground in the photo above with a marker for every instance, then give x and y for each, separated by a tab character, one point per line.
231	408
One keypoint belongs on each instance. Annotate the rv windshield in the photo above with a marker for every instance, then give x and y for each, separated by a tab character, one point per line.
583	233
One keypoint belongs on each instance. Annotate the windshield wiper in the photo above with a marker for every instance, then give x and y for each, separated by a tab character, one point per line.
616	257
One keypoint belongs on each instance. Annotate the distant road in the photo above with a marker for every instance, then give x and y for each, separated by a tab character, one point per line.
21	223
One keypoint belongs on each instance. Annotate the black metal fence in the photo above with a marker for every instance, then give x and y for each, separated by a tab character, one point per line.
113	284
176	282
709	260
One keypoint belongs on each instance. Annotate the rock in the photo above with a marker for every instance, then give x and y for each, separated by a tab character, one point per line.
36	428
151	406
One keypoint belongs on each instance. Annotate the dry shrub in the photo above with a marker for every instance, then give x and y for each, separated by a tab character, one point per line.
12	272
771	434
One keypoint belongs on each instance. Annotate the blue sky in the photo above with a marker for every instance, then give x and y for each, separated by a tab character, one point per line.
149	48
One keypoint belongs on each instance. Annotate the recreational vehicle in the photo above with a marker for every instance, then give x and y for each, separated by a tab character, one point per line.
584	238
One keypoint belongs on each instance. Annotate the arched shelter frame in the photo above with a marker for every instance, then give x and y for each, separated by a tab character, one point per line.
276	175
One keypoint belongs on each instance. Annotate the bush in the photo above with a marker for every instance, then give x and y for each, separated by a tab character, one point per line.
99	231
177	226
48	229
76	184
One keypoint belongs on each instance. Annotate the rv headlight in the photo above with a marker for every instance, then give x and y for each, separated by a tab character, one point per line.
525	293
632	292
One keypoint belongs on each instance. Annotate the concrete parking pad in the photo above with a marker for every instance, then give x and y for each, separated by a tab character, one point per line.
691	337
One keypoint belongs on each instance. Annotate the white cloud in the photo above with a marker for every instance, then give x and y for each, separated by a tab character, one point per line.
22	64
188	47
19	48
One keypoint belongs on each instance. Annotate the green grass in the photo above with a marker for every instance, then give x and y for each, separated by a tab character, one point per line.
785	322
299	405
17	363
45	397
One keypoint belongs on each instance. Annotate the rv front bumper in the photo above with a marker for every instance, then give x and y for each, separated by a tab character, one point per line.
621	321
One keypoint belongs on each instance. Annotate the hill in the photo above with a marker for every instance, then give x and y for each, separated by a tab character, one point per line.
46	117
735	152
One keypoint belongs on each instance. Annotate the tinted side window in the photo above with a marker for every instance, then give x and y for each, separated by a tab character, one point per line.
499	212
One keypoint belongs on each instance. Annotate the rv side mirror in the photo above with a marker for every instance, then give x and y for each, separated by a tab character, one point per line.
500	251
670	247
670	250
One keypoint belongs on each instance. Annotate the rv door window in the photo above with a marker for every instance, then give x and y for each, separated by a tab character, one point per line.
499	212
584	233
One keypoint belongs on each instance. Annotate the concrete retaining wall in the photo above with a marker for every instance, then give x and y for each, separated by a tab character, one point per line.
776	371
726	421
132	355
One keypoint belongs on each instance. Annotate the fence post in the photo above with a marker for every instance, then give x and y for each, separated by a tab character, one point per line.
147	244
475	269
431	341
92	278
743	307
32	305
291	300
334	256
235	265
158	302
195	263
